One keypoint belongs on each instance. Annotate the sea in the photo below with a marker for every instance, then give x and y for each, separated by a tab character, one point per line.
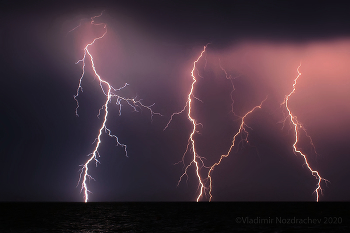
174	217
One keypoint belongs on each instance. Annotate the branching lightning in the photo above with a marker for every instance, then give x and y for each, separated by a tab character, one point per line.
244	137
297	126
241	131
196	159
110	92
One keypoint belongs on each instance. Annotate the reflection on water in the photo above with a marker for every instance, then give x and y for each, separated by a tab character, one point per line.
168	217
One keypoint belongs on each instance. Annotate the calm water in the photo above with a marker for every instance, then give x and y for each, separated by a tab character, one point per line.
174	217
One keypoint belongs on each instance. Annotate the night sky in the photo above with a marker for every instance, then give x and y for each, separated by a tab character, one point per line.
152	45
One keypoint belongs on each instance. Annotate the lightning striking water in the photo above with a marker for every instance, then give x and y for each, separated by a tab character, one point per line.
244	137
297	126
196	158
110	92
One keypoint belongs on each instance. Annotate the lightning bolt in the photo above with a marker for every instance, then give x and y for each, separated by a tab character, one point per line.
244	137
195	157
111	93
229	77
297	126
241	131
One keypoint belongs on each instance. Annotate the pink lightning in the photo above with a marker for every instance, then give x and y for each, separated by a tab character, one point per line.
110	93
194	130
243	131
229	77
298	126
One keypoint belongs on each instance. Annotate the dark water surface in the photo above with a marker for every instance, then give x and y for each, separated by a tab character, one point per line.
174	217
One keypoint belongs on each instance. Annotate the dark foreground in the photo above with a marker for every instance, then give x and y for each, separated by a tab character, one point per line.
175	217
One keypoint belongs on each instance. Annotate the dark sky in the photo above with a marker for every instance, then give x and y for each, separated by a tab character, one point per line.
152	46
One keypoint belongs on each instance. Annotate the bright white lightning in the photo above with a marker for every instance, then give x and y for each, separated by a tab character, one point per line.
196	158
110	92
